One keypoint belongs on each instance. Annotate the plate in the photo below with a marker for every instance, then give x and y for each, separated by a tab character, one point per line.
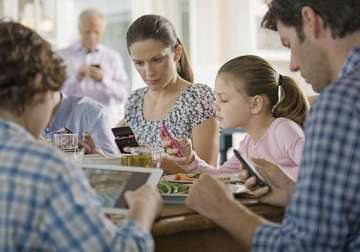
226	178
174	178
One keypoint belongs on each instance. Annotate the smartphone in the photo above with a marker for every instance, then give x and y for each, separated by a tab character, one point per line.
124	137
169	135
96	65
251	169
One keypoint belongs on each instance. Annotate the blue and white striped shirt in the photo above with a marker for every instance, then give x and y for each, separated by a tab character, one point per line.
46	203
324	213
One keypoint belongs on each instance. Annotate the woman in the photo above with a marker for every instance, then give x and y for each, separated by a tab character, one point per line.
186	109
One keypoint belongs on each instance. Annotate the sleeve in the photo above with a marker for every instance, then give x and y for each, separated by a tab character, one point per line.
117	84
77	223
201	104
323	213
130	108
71	84
199	165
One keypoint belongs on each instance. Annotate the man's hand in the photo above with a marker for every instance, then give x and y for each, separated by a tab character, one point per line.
96	73
209	196
82	72
144	204
281	184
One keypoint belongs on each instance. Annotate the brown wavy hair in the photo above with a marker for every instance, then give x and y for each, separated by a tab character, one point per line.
260	78
159	28
24	55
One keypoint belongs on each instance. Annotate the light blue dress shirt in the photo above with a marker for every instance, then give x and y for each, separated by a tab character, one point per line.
80	115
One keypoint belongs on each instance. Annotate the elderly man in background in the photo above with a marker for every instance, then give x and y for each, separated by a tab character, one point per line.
95	70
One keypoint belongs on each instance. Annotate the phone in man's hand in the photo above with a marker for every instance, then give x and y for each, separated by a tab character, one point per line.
96	65
250	169
169	135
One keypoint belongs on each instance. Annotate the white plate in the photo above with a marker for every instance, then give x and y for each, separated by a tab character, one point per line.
172	178
226	178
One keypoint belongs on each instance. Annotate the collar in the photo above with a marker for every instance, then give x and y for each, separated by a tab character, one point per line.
351	62
15	129
79	47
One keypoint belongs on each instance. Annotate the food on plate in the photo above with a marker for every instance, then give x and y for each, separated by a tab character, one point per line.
187	177
167	187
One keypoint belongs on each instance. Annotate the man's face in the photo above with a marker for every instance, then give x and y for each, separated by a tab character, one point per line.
307	56
38	114
91	31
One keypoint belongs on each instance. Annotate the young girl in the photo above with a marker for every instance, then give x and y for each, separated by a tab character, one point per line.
171	97
270	107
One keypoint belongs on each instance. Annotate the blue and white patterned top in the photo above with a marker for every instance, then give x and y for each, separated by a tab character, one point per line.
46	203
324	213
195	105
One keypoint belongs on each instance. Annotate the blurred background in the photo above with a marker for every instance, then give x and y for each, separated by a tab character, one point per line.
213	31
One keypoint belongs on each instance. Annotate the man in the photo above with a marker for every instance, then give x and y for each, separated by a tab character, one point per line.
94	70
82	115
46	202
323	213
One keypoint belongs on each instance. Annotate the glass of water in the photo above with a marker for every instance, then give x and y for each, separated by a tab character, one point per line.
68	142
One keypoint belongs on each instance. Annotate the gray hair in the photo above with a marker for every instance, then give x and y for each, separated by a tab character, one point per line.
89	13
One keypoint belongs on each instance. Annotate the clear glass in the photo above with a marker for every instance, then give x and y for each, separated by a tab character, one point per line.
142	156
67	142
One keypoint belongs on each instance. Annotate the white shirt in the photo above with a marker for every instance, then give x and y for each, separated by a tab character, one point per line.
112	91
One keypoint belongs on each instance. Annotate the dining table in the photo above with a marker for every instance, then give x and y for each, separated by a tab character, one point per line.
179	228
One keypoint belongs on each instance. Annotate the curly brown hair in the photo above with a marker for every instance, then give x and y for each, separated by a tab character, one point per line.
24	55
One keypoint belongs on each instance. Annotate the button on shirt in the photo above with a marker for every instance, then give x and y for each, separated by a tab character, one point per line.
80	115
112	91
323	214
46	203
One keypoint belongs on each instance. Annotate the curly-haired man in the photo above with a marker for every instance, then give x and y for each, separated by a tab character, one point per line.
46	204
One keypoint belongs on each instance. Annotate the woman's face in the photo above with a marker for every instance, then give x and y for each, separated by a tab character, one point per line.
232	106
155	63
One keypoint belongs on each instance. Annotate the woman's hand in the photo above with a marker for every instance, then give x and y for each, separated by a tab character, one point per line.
88	144
183	147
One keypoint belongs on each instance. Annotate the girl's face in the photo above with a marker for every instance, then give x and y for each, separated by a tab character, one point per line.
155	63
232	105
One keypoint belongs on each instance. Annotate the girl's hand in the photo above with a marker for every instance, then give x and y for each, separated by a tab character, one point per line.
183	146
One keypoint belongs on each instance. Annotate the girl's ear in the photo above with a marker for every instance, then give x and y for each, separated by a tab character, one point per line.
256	104
178	52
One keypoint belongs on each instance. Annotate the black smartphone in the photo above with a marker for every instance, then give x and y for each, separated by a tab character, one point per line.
251	169
124	137
96	65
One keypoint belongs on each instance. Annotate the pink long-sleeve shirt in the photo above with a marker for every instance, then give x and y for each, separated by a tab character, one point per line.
281	144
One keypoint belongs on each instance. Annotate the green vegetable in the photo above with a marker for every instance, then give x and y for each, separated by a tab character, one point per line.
166	187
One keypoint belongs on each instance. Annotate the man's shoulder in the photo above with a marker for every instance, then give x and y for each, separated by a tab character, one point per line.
109	51
69	50
43	159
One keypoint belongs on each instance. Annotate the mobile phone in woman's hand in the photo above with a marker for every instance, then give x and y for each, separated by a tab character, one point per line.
170	136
